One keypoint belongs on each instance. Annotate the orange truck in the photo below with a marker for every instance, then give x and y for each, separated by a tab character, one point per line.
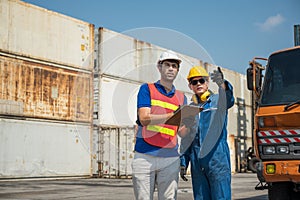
275	90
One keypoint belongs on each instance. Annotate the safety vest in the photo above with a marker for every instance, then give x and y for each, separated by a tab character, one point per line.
162	135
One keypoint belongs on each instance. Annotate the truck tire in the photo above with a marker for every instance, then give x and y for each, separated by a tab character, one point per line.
279	191
252	164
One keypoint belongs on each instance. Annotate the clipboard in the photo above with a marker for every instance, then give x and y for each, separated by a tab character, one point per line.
183	112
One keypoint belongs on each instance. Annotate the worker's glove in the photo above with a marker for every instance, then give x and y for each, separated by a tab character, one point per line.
217	77
189	121
183	173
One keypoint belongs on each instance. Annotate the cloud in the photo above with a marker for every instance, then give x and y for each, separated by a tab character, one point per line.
271	22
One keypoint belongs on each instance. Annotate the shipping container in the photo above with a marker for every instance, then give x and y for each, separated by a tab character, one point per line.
46	93
115	152
135	60
34	148
35	32
40	90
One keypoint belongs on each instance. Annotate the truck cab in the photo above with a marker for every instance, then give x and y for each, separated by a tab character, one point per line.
276	121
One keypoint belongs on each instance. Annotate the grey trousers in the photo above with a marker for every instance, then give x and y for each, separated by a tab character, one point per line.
150	172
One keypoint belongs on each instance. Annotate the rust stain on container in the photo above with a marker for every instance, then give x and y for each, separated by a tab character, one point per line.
45	91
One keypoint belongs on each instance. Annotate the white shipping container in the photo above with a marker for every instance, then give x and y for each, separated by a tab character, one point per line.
136	60
115	152
44	149
35	32
117	102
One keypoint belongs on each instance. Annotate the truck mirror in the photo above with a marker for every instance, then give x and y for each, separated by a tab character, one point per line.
258	79
250	78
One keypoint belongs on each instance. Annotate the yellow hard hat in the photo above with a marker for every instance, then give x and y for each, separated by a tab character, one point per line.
197	71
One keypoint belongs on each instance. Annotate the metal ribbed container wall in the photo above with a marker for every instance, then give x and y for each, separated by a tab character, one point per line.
46	92
115	151
38	33
124	63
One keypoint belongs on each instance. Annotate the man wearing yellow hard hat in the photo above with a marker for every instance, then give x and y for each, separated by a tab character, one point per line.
206	146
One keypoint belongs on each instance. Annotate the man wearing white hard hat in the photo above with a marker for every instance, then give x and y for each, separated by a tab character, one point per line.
156	161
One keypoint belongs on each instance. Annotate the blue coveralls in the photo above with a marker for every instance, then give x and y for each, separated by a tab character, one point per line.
211	174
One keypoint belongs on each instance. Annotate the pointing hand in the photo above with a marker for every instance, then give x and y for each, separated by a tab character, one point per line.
217	77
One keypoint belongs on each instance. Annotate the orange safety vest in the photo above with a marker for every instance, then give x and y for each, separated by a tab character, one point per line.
162	135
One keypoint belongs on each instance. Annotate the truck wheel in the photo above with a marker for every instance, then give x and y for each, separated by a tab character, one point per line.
279	191
252	164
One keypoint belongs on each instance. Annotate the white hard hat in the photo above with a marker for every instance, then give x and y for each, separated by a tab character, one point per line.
169	55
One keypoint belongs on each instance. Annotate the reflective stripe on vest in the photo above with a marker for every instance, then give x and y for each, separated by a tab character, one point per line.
164	104
164	130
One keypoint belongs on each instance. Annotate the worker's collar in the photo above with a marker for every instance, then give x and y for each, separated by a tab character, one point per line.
162	89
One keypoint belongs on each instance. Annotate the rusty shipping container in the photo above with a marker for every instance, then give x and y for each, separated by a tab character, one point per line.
46	92
30	89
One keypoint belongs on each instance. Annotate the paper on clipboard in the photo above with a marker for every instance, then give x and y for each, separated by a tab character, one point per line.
183	112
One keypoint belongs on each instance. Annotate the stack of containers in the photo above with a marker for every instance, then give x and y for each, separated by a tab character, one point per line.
46	92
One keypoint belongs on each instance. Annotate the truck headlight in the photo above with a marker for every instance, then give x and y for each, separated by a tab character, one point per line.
269	150
266	122
282	149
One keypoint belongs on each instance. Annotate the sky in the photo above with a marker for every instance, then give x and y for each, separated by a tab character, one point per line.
225	33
